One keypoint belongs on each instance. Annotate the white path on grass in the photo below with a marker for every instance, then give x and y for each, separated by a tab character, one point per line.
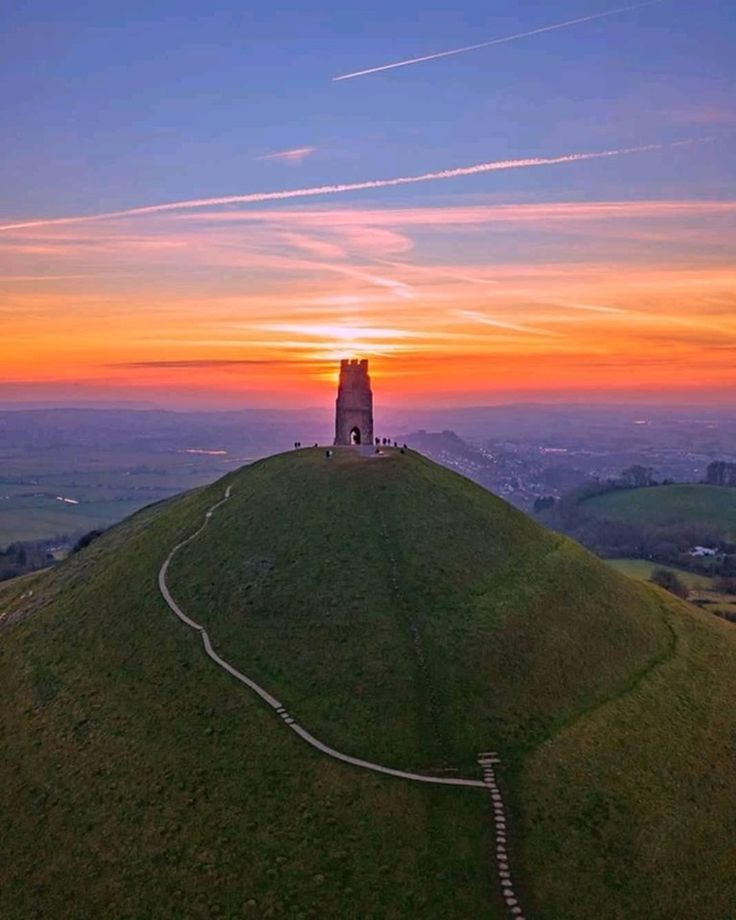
486	761
266	696
503	869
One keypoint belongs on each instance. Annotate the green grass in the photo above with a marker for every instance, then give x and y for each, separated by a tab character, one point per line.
138	780
402	614
299	572
641	791
642	569
664	505
703	590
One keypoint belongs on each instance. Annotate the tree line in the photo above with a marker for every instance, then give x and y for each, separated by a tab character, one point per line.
669	544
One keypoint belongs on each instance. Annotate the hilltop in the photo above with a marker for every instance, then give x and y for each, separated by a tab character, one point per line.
403	615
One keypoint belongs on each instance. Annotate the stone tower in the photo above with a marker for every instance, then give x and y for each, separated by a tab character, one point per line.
354	407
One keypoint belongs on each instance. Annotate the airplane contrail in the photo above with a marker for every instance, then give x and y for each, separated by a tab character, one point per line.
495	41
258	197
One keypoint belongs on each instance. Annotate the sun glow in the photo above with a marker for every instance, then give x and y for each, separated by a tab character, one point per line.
337	341
248	311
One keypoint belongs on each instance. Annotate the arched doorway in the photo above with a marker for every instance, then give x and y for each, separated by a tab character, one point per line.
355	436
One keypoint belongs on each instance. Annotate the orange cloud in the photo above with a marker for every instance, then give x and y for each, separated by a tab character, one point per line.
447	302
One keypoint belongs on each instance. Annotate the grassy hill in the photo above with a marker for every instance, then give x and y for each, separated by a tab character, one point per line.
664	505
403	615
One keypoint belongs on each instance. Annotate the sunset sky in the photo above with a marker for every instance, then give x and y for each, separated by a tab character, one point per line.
606	277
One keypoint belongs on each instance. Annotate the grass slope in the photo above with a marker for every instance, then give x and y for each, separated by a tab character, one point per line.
402	614
637	799
137	780
641	569
425	594
663	505
703	591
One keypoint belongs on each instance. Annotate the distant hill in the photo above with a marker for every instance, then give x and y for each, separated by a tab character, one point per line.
404	615
661	506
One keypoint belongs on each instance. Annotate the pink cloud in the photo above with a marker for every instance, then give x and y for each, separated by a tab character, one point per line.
315	246
472	214
296	155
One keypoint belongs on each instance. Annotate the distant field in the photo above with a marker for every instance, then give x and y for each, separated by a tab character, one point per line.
100	490
663	505
112	464
41	517
642	569
702	588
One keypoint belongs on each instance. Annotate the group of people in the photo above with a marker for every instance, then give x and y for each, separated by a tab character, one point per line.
380	442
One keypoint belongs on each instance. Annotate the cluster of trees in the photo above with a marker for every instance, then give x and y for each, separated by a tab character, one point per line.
668	544
721	473
29	556
670	581
21	558
633	477
86	539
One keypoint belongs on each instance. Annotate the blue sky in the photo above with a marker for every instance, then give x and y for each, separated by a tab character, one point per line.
108	105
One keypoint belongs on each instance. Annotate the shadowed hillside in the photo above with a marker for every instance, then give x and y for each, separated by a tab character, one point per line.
403	615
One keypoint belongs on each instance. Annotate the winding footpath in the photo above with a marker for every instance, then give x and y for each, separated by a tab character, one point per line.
486	760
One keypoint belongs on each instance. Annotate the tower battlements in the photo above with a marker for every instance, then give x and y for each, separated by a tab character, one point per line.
354	406
354	366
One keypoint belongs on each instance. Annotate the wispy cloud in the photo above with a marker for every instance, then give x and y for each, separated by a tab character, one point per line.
495	41
207	363
588	307
346	219
486	320
323	249
259	197
397	288
34	278
343	331
288	156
